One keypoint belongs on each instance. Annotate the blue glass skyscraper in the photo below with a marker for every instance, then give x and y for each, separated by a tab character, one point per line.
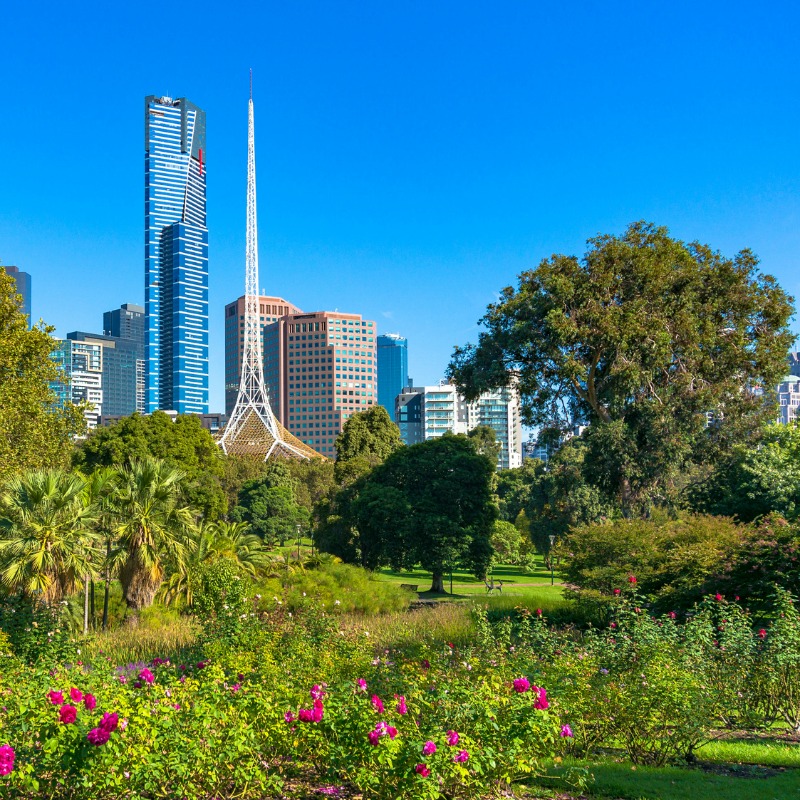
176	256
392	369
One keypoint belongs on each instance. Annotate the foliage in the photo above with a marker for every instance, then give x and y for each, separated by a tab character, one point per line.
34	632
366	440
507	543
560	497
485	442
34	432
46	536
756	478
183	444
430	504
338	588
267	504
641	339
675	562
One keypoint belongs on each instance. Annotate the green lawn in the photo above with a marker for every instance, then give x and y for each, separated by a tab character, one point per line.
768	773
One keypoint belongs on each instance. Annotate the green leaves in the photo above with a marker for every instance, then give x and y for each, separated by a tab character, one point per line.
646	334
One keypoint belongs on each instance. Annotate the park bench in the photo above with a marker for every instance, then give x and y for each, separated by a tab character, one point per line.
412	587
491	586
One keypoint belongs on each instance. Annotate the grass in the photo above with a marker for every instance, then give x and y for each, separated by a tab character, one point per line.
727	770
124	645
752	750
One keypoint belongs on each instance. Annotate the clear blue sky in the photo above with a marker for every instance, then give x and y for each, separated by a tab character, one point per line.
412	157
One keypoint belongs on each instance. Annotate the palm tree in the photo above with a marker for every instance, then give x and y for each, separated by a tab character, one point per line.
151	529
47	543
209	543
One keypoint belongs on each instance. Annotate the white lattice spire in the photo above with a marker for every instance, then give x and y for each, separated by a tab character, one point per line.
252	428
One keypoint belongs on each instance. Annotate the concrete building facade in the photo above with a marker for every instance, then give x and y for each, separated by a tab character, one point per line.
320	369
269	310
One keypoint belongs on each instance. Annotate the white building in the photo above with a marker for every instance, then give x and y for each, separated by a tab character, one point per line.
427	412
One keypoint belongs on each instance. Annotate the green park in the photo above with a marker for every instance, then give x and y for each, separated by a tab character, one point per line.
620	622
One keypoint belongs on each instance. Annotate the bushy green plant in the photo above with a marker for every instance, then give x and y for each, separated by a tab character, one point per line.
35	631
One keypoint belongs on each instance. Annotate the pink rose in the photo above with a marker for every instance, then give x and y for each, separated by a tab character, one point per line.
68	714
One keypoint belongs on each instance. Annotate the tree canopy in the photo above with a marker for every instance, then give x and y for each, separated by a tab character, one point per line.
183	444
430	505
645	339
755	479
367	439
34	432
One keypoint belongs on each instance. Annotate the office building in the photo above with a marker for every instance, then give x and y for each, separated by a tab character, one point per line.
125	322
319	370
176	256
392	369
269	309
427	412
81	365
122	371
23	281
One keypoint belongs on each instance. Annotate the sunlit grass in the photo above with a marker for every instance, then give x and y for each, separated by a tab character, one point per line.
143	643
442	622
768	752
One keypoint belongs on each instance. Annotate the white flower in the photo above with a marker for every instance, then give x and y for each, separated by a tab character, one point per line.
366	633
304	594
337	602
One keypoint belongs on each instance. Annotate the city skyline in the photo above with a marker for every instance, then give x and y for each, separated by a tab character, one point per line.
415	160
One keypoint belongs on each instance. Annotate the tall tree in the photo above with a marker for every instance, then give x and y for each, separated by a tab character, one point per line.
152	529
47	542
367	439
34	432
183	444
643	338
430	505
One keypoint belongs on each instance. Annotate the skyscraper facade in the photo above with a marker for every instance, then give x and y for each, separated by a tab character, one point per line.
125	324
176	257
23	280
320	369
122	373
269	309
392	369
81	366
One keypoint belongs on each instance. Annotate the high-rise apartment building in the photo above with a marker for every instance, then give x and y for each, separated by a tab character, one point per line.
499	410
427	412
23	281
269	310
176	256
320	369
81	365
392	369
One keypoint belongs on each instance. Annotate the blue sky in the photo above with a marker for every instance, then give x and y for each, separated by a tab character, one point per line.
412	157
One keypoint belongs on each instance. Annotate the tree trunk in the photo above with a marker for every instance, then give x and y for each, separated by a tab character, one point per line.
139	589
437	585
105	601
85	604
625	496
92	619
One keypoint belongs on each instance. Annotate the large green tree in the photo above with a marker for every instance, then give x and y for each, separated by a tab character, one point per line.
430	505
34	432
645	338
367	439
183	444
